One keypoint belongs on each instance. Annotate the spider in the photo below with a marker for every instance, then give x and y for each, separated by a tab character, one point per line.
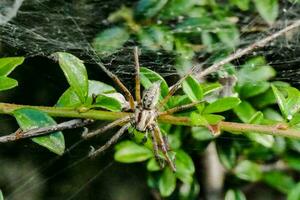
144	116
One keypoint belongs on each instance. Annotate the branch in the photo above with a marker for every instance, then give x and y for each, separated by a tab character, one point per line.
241	52
75	123
6	108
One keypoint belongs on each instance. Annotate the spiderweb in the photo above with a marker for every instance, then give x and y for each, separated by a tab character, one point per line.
38	28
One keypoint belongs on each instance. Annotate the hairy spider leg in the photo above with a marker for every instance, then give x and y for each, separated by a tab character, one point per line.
110	142
163	147
155	148
174	88
180	108
106	127
137	77
127	93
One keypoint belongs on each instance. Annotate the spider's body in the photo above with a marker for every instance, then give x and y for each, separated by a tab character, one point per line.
144	116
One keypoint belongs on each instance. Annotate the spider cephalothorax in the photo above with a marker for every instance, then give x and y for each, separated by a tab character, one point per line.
144	116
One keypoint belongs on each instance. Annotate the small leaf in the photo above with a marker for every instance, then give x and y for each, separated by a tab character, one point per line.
213	119
248	171
252	89
192	89
70	99
202	134
148	77
227	155
167	182
229	36
149	8
222	105
152	165
234	195
268	9
241	4
75	73
1	195
185	167
7	65
130	152
278	180
281	101
244	111
110	40
210	87
30	118
7	83
156	38
294	194
109	103
292	161
175	8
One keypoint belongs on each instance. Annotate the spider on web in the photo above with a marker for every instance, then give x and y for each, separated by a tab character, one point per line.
144	115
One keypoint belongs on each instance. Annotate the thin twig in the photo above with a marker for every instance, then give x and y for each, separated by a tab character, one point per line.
75	123
241	52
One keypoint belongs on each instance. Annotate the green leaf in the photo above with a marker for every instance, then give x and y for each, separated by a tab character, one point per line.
109	103
177	7
293	161
149	8
294	194
110	40
281	101
192	89
229	36
255	70
152	165
7	83
265	140
234	194
75	73
30	118
241	4
249	171
185	54
202	134
7	65
213	119
278	180
222	105
1	195
184	167
70	99
130	152
156	38
244	111
227	155
210	87
268	9
148	77
167	182
252	89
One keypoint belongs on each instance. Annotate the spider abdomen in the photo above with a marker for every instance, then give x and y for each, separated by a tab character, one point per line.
151	96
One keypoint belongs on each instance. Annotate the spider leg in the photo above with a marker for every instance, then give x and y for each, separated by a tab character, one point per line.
163	146
155	148
107	127
173	89
128	95
110	142
137	77
180	108
144	140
